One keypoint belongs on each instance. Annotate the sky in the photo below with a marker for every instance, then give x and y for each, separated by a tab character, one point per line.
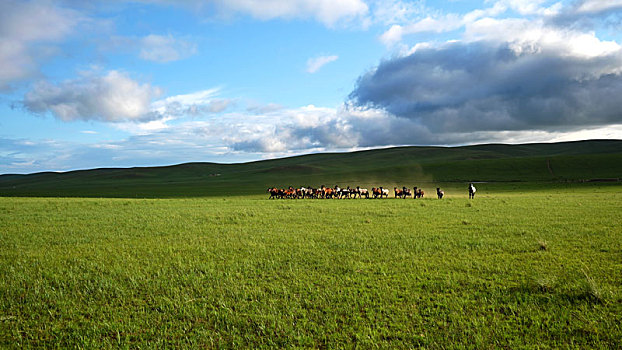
158	82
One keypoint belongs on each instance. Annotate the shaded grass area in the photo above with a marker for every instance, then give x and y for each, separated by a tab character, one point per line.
541	269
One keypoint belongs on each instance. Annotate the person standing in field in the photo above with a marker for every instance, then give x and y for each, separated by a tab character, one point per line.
471	191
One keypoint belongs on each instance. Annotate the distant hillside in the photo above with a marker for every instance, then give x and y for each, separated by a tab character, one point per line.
566	161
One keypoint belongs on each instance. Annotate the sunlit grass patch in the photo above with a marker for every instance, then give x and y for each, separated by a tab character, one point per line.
251	272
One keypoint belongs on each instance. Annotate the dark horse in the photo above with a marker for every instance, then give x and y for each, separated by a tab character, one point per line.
439	193
418	193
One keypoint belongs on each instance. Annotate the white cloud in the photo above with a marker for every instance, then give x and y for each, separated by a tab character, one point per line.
15	63
390	12
28	21
314	64
164	49
329	12
592	6
435	22
529	35
255	107
24	28
531	7
438	23
193	104
152	47
144	127
112	97
183	104
361	13
115	97
175	107
429	24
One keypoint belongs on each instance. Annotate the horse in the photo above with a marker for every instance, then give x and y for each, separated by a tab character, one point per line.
439	193
472	191
403	193
353	192
289	193
376	192
274	192
343	193
328	192
406	192
418	193
398	193
306	192
362	192
384	192
316	193
338	191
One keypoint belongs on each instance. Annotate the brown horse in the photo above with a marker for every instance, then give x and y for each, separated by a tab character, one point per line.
274	192
375	191
329	192
398	193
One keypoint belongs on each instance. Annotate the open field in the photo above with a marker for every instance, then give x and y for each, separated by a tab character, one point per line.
426	167
532	266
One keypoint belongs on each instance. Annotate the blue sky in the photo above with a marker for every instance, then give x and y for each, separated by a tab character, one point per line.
143	83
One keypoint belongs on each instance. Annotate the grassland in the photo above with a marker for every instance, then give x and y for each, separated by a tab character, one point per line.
426	167
518	267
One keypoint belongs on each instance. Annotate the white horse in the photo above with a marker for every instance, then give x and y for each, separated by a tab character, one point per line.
362	192
472	191
306	192
385	192
345	192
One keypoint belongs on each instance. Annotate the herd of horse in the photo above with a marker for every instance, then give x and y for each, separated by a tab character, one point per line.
338	192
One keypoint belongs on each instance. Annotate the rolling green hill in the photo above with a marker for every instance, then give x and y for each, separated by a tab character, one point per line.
409	166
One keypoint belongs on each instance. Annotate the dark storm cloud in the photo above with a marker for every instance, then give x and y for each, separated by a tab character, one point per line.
483	86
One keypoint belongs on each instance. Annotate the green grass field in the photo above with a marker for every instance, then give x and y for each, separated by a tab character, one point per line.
426	167
520	266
